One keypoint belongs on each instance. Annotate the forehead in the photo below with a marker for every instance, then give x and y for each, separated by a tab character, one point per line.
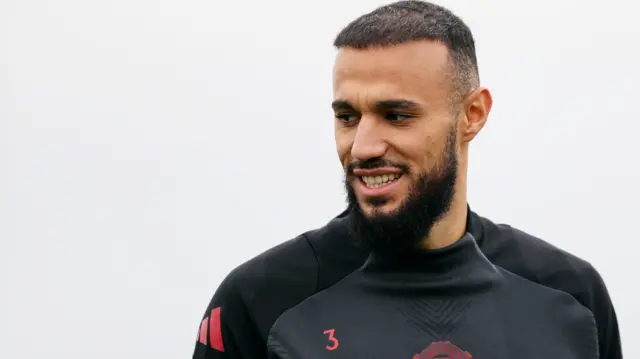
414	71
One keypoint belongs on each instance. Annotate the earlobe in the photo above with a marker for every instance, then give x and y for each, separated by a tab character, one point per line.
479	104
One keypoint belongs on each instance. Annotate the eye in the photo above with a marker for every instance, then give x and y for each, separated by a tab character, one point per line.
347	117
397	117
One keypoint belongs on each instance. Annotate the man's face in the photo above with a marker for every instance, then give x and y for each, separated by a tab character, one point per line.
396	137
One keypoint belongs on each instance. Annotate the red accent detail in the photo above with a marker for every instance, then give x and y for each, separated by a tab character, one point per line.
215	330
202	337
334	342
443	350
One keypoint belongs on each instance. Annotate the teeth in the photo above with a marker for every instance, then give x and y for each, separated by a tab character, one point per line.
377	181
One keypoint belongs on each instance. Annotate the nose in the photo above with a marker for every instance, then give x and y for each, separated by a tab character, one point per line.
369	140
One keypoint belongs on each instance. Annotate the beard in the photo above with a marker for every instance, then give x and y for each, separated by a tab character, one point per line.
404	228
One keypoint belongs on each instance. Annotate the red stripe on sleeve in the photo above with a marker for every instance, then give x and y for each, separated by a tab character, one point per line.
215	330
203	331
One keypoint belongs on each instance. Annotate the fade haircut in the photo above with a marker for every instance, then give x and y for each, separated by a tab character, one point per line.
407	21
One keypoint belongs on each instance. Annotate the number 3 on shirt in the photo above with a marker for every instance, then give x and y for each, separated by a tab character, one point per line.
333	342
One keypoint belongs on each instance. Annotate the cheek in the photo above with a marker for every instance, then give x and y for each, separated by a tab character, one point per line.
420	153
435	154
432	149
343	146
414	147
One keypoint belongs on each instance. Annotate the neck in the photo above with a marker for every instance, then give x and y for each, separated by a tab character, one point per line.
453	225
449	229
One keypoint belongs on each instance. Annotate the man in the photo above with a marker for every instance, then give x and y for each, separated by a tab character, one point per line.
408	270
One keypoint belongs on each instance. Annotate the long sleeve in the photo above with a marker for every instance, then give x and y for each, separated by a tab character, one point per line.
226	330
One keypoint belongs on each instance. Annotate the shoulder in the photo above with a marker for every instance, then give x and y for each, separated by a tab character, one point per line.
551	302
252	296
548	260
267	284
277	263
538	260
549	310
285	275
313	260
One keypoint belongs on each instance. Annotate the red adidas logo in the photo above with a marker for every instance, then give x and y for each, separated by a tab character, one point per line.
211	324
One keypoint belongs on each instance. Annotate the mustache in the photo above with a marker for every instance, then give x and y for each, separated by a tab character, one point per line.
374	163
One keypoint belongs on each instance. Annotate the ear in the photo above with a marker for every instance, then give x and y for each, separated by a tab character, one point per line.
476	109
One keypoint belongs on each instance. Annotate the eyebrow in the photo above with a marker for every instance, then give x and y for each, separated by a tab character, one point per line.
341	105
380	106
398	104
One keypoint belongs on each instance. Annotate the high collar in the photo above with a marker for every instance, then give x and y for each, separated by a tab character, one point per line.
458	268
437	261
474	226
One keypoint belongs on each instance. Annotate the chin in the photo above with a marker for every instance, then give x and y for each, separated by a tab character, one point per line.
379	207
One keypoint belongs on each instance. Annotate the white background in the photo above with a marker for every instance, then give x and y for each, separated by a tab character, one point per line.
149	147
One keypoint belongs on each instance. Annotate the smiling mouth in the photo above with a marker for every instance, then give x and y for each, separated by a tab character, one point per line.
379	181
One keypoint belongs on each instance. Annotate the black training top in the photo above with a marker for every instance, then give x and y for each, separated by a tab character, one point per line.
498	292
406	306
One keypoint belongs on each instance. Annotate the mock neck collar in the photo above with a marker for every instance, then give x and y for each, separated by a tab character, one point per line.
458	268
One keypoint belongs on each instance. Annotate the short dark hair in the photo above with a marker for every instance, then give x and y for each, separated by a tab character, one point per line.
412	20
